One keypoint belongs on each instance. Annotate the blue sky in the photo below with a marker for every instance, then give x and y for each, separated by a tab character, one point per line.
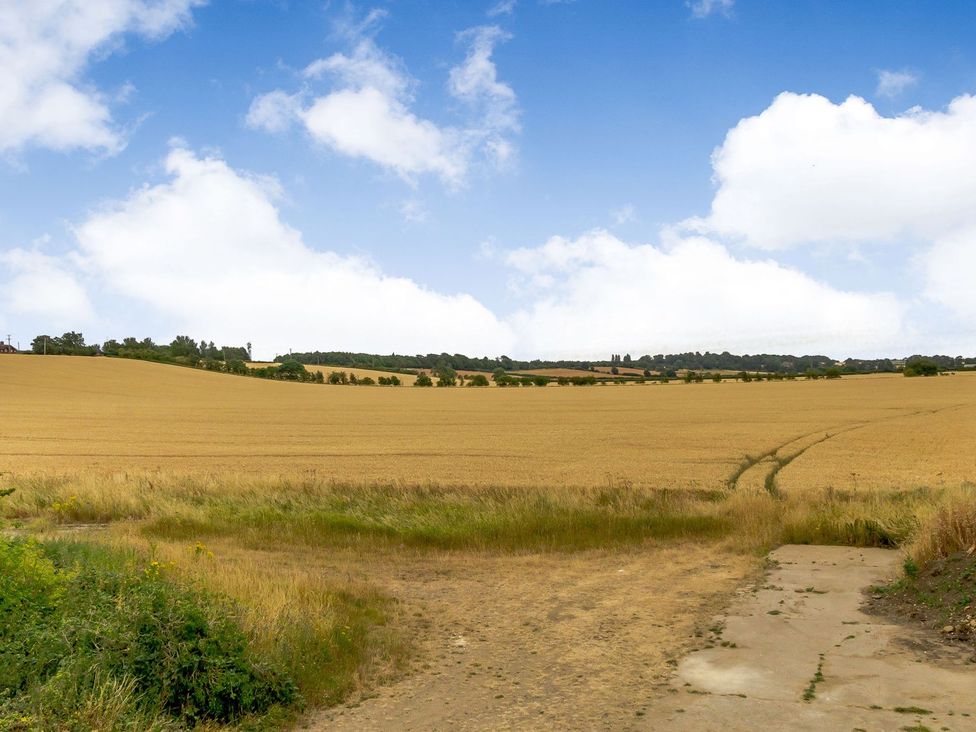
534	178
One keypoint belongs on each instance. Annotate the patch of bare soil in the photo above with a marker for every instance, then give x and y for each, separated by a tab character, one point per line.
940	597
545	641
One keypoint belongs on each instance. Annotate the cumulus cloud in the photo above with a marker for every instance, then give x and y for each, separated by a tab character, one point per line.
808	170
367	114
891	84
949	268
704	8
597	294
208	252
45	48
41	285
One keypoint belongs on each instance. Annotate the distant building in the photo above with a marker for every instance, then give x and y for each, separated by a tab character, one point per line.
7	348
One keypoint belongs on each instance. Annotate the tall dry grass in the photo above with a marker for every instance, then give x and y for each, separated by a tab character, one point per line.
946	529
260	541
306	511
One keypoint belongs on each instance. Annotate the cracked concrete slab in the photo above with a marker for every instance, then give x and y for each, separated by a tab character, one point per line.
798	653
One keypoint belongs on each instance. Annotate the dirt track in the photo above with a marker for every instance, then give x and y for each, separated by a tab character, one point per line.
585	642
550	641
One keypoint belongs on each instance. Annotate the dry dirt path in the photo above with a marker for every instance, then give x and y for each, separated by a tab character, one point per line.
803	633
541	642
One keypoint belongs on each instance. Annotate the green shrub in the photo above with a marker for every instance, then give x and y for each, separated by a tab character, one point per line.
81	625
921	367
423	380
478	380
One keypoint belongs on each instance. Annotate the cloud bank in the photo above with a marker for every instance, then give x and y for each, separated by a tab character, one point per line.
807	171
208	252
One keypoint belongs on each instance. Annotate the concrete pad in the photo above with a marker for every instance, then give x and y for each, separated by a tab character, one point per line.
806	618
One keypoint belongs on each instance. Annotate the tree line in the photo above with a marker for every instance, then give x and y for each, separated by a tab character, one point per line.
659	364
185	350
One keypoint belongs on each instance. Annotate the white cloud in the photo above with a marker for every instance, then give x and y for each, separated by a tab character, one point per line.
367	123
808	170
891	84
503	7
623	215
475	82
274	112
38	284
413	211
367	114
45	47
207	251
704	8
949	269
598	294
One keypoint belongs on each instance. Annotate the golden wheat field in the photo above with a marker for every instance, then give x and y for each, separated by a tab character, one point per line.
374	374
69	414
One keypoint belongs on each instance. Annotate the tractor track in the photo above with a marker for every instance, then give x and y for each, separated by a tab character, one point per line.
771	462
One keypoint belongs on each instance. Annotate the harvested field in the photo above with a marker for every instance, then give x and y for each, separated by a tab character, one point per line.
552	373
621	370
64	414
374	374
361	528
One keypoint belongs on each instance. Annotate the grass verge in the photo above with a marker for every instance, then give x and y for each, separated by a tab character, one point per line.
92	638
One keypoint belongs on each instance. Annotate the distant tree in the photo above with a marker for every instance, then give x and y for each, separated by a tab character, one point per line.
446	378
366	381
497	374
921	366
111	347
832	372
183	346
627	358
540	380
229	353
44	344
614	370
717	378
647	373
423	380
338	377
478	380
292	371
394	380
